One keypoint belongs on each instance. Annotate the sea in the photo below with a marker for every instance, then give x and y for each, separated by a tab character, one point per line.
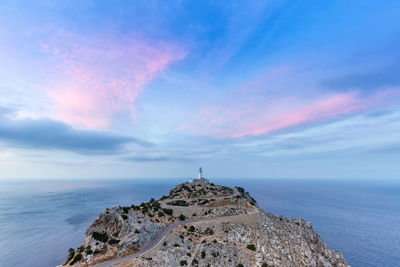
41	219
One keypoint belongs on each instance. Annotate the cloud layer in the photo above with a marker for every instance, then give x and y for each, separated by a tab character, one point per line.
48	134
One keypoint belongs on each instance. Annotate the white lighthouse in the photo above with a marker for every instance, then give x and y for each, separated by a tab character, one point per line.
200	179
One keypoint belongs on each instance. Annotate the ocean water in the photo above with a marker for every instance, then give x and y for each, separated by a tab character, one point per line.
41	219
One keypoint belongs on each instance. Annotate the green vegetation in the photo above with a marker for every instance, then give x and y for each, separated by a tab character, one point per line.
103	237
137	231
168	211
161	214
125	209
113	241
125	217
240	265
80	249
178	203
189	255
182	217
77	258
195	262
215	254
203	254
71	254
191	229
183	262
176	245
251	247
264	264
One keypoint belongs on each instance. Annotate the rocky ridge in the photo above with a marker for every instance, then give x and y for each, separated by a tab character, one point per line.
212	225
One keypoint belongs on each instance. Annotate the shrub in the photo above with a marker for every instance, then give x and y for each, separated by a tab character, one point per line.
195	262
152	200
176	245
251	247
203	254
165	243
183	262
137	231
264	264
215	241
113	241
240	265
71	254
103	237
168	211
125	209
89	251
160	214
77	258
182	217
124	217
189	255
191	228
80	249
178	203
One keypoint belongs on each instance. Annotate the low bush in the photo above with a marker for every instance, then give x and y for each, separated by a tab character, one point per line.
192	228
103	237
178	203
137	231
182	217
168	211
77	258
203	254
251	247
183	262
125	217
71	254
113	241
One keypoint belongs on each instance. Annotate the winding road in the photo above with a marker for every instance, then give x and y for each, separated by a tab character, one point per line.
159	238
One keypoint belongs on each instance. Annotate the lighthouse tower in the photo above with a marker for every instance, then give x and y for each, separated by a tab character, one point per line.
200	180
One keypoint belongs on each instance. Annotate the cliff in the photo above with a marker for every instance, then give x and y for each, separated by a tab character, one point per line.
201	225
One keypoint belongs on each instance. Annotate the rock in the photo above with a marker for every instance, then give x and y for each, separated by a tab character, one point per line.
238	233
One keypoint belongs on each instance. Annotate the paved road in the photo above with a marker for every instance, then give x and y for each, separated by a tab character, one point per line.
159	238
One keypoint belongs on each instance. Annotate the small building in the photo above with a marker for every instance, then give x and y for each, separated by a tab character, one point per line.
200	179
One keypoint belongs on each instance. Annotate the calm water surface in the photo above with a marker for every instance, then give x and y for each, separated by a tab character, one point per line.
40	220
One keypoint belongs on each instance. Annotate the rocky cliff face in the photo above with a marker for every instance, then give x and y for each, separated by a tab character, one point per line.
211	226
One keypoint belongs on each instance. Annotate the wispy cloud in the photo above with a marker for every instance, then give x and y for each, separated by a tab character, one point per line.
100	77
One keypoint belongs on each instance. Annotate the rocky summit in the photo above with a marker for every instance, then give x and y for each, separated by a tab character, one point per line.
200	224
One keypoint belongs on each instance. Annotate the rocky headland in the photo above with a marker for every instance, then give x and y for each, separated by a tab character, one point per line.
200	224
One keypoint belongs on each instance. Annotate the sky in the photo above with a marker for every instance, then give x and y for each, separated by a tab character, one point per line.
245	89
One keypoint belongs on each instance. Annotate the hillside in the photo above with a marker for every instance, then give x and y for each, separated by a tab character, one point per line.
201	225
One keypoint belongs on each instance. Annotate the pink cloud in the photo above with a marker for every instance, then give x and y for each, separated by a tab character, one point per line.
251	120
99	78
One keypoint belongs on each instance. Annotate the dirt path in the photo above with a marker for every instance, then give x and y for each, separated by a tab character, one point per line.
159	238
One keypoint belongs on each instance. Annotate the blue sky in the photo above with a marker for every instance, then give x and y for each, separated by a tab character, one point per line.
281	89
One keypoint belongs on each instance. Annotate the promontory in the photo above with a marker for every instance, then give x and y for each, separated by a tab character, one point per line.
200	224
